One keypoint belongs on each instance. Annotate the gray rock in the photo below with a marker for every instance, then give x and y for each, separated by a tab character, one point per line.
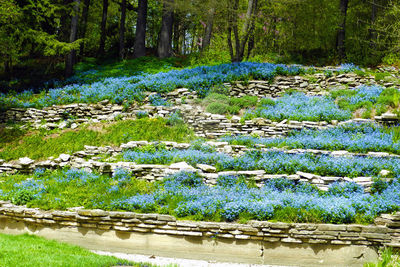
206	168
64	157
182	166
26	161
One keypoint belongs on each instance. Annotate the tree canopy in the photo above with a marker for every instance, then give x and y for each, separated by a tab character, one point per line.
63	32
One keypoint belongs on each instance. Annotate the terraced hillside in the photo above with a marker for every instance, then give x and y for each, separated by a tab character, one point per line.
243	143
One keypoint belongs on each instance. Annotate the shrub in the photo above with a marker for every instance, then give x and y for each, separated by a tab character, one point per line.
218	108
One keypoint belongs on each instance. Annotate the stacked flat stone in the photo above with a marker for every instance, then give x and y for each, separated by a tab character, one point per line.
371	235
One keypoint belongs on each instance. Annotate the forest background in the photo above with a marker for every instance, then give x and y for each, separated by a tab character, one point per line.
44	40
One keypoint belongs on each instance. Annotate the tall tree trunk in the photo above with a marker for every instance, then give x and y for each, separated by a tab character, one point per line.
208	30
176	33
71	58
85	15
237	52
341	34
164	49
139	47
371	30
122	30
103	33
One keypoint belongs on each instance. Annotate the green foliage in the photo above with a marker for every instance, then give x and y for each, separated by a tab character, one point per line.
387	259
390	97
91	70
289	214
391	59
43	144
29	250
244	102
21	197
223	104
380	76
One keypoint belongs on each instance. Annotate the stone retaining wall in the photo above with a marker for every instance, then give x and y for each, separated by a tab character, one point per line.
205	124
315	84
89	159
264	237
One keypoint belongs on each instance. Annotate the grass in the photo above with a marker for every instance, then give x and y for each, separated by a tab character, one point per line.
63	189
387	100
29	250
184	196
90	71
386	259
222	104
16	143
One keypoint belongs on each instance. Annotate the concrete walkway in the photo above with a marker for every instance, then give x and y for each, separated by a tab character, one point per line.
162	261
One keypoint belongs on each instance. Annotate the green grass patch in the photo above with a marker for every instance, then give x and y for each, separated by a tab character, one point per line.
90	71
16	143
387	259
29	250
222	104
367	104
62	189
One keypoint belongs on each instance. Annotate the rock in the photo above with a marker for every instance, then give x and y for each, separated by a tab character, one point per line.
206	168
378	154
26	161
306	175
235	119
339	153
74	126
62	125
257	133
182	166
384	172
64	157
389	116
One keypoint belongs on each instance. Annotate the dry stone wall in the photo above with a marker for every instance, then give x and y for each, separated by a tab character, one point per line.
89	159
205	124
316	84
386	232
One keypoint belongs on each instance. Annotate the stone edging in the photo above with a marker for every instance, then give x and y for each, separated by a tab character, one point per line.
386	232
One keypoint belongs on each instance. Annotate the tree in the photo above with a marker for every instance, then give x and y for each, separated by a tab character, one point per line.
122	30
208	28
71	58
237	50
139	48
164	48
85	15
103	33
341	34
10	44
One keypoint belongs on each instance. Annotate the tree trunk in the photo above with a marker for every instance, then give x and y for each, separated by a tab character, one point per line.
85	15
71	58
103	33
208	30
371	30
139	47
164	49
341	35
237	52
122	31
176	34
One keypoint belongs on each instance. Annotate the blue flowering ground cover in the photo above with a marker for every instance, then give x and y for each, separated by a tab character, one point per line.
186	196
300	107
338	105
128	89
272	162
353	137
